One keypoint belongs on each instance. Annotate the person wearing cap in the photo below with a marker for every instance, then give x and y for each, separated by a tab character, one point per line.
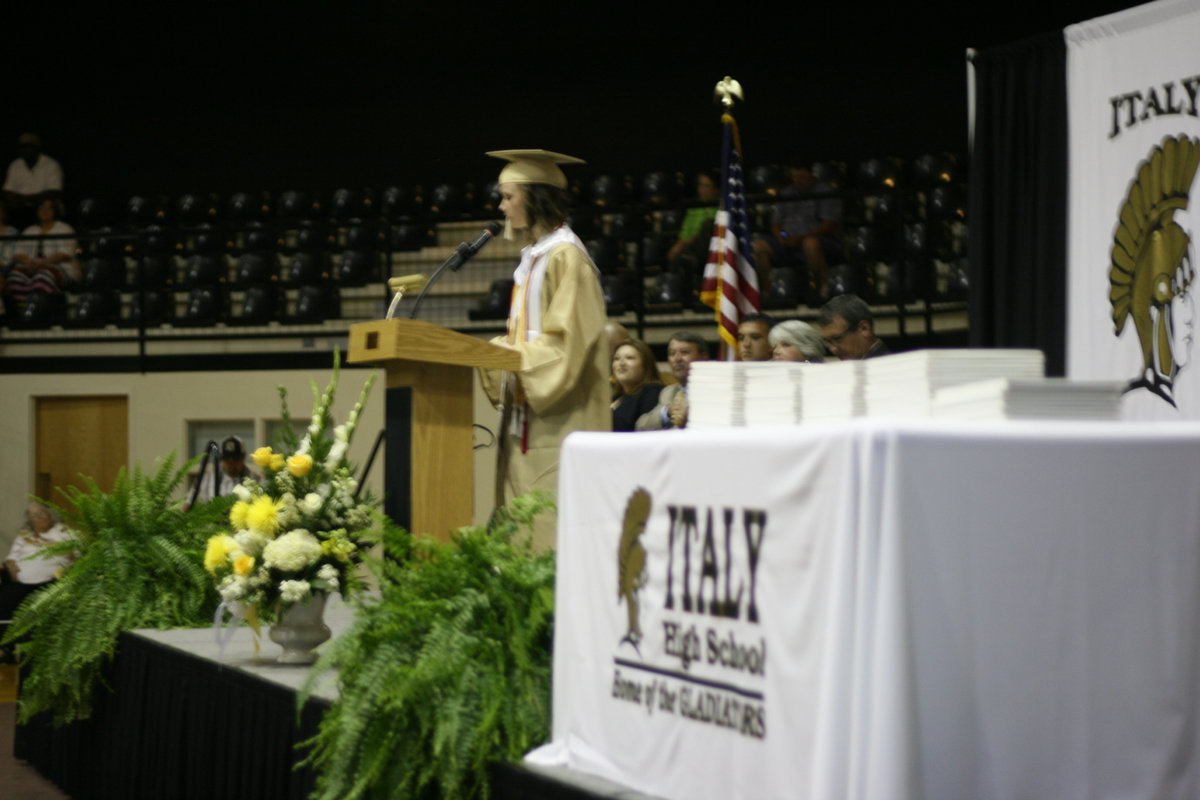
556	320
233	471
32	178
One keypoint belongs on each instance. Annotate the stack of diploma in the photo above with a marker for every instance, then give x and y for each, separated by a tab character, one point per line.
716	394
1044	398
903	385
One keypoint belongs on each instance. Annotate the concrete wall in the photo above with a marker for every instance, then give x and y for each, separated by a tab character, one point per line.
161	404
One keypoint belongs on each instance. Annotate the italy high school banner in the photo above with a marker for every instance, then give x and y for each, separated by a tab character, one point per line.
1134	113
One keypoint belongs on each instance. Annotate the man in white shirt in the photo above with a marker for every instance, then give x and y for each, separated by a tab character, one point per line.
32	177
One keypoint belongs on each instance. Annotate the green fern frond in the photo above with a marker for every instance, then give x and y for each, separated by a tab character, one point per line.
131	543
445	672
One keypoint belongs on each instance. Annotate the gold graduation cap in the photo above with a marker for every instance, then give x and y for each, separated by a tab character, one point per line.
534	166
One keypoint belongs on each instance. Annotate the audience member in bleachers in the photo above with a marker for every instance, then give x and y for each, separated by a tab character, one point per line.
8	252
32	177
848	327
803	232
683	348
753	342
43	264
795	340
635	371
25	574
557	324
690	251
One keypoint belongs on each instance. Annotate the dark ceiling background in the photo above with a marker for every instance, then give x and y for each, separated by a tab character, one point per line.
224	98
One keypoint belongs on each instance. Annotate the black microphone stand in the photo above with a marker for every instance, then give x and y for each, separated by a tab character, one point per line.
210	449
460	256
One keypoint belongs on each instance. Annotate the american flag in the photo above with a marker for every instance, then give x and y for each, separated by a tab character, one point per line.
730	284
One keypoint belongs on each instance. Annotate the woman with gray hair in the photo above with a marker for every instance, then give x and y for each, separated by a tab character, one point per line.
793	340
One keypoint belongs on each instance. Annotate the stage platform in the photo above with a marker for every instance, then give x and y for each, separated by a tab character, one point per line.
183	721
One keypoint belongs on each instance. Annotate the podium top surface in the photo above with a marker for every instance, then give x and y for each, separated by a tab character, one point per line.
381	341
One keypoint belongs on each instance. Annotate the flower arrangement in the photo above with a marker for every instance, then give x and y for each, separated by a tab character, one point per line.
301	529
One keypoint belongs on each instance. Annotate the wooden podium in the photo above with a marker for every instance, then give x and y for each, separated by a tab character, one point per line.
429	475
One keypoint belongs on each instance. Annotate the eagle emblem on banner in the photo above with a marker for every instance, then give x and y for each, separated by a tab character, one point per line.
1151	269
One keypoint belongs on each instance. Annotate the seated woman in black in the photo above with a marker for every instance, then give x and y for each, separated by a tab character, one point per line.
635	383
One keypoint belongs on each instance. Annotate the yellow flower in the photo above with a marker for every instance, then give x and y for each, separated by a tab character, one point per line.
237	515
299	465
243	564
263	515
277	462
262	456
218	550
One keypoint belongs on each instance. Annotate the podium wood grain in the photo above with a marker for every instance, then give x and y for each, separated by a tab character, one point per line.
435	365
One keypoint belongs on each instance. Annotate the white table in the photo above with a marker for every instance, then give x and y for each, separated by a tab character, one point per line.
944	611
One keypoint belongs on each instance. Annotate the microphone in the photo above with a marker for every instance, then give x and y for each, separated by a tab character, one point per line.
465	251
460	256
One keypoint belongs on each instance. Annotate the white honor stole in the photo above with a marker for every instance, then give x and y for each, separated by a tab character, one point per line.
525	315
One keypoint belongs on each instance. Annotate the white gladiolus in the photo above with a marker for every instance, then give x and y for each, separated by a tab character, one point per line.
336	453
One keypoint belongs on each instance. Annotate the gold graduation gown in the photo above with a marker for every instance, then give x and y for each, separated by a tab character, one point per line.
562	385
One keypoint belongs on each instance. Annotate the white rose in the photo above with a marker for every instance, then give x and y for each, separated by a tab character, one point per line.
311	503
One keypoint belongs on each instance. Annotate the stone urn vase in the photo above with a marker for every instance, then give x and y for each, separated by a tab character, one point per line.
300	629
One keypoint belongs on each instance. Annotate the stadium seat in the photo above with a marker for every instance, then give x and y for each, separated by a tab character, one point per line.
670	220
101	272
254	268
357	268
315	304
495	304
445	202
296	205
659	189
159	308
96	308
305	268
605	252
156	272
934	169
261	305
203	269
205	306
244	207
668	294
876	174
866	244
784	288
345	204
408	236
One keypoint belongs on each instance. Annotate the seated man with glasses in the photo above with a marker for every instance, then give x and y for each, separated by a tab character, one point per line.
849	329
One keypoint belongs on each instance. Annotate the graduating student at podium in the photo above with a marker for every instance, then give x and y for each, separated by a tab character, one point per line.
556	320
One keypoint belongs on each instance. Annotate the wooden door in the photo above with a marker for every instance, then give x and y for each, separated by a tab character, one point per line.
86	435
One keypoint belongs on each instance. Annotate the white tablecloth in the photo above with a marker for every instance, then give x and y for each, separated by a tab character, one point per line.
902	610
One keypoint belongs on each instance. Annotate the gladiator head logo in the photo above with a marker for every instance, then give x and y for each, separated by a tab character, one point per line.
1151	274
631	561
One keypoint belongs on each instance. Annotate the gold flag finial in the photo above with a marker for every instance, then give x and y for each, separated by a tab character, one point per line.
727	89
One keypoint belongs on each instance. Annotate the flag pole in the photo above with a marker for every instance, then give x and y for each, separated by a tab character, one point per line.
730	285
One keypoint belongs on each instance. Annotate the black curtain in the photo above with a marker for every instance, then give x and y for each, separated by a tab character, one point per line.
1018	199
